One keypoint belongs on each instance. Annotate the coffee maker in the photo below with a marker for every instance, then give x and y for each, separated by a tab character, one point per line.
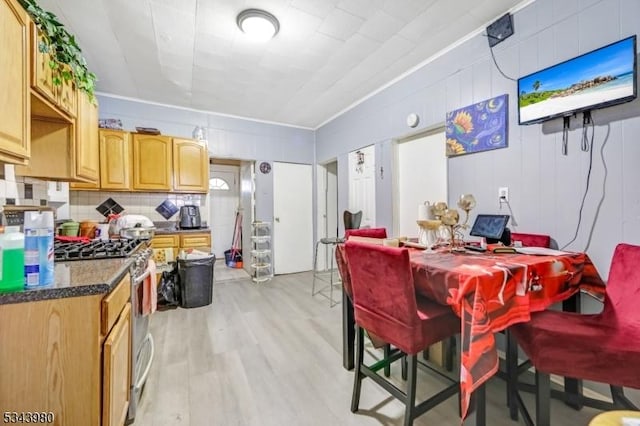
189	217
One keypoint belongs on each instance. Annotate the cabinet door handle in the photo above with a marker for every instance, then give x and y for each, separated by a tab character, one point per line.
278	219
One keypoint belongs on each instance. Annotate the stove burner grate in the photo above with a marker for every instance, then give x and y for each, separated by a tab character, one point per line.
65	251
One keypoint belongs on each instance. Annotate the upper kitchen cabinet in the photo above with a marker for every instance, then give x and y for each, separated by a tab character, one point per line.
152	163
62	148
87	145
64	95
190	166
115	160
14	83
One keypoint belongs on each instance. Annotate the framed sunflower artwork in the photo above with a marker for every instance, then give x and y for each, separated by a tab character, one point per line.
478	127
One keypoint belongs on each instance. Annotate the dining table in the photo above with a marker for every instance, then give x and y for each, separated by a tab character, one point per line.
489	292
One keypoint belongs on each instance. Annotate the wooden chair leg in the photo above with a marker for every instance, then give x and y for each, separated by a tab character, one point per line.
410	403
357	374
543	399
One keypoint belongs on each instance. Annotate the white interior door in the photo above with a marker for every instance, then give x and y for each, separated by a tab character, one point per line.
362	185
225	199
421	176
292	218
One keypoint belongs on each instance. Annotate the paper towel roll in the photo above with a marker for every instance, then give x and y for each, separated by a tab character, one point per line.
423	213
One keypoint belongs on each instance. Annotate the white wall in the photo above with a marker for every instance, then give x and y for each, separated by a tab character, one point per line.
545	187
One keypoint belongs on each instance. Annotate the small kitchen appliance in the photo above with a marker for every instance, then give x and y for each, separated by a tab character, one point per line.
189	217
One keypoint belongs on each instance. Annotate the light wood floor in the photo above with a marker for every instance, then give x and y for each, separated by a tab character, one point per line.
270	354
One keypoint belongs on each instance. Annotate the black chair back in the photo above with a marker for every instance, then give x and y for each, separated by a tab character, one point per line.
352	220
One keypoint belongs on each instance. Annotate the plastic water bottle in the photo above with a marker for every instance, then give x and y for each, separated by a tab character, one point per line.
38	248
12	259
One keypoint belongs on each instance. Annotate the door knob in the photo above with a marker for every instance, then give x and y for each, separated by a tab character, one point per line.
278	219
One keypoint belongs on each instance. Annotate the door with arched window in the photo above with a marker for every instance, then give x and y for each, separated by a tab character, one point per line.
224	189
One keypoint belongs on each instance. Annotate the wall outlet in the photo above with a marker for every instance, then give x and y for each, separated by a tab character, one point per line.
503	194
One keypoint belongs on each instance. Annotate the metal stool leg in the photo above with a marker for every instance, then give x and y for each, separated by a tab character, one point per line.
331	302
315	269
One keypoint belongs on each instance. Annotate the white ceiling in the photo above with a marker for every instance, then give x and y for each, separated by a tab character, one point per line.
328	55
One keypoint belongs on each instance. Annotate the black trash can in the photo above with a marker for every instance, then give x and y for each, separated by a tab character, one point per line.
196	281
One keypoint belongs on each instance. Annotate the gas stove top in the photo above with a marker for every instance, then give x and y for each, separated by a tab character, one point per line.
66	251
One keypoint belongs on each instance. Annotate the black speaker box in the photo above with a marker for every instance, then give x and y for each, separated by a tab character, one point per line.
500	30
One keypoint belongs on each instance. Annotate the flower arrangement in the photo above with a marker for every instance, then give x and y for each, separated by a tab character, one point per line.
450	218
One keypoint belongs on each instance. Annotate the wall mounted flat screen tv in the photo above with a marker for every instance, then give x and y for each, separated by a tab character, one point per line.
600	78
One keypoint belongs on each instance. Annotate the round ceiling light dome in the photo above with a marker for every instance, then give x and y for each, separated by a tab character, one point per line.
258	24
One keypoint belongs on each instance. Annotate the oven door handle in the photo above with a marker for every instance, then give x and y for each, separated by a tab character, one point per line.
143	378
142	277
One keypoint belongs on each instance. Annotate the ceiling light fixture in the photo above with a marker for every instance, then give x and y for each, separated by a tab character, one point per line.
257	24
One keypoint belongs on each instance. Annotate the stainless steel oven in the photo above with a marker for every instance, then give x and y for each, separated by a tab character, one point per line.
142	347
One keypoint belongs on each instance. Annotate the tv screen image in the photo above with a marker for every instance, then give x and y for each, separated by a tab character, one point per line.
489	225
600	78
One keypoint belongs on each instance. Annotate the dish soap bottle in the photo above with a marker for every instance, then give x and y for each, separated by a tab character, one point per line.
12	259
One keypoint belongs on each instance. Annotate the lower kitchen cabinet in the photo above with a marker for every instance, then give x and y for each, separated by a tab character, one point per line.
57	358
200	241
116	364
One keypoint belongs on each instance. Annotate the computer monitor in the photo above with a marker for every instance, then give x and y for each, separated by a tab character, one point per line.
490	226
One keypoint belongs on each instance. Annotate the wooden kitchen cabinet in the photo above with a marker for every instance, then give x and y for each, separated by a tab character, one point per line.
196	240
64	140
55	357
152	162
190	166
14	83
165	248
87	143
61	148
115	160
63	96
116	373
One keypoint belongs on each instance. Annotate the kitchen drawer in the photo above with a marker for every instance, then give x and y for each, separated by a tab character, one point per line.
112	304
165	241
197	240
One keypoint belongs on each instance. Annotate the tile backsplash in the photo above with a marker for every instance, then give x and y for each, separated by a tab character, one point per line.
83	203
39	192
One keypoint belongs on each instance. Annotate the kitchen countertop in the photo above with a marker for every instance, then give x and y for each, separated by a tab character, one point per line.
168	231
75	278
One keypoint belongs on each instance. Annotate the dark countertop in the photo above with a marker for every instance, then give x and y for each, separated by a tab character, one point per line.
75	278
169	231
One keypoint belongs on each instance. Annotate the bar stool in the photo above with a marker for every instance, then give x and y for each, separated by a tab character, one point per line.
351	221
332	242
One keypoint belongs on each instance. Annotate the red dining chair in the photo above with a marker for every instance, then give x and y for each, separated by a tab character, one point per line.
385	304
531	240
602	347
366	232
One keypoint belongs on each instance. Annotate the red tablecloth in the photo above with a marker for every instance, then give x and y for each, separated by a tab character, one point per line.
492	291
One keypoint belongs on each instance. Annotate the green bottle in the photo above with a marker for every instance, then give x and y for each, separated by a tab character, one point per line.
12	259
